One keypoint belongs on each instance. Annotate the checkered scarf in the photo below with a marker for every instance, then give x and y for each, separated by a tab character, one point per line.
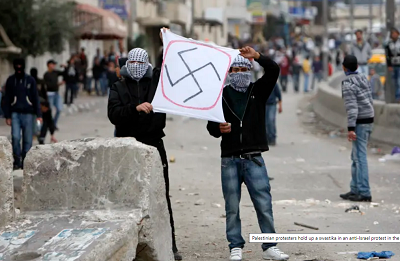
240	81
137	70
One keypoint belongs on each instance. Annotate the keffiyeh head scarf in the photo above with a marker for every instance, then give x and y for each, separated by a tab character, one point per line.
137	63
240	81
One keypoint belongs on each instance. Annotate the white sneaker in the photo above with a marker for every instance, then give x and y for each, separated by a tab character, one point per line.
273	253
236	254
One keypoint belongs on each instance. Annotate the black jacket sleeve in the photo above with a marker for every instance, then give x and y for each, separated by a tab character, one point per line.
265	85
213	129
389	56
7	99
118	113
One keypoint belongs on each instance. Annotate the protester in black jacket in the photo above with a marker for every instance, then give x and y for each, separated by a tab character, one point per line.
243	141
71	78
130	110
21	108
393	59
48	123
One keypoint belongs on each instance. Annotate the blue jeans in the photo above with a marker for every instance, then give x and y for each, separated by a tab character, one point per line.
55	100
235	171
363	69
396	81
270	122
21	122
359	169
306	80
284	82
104	84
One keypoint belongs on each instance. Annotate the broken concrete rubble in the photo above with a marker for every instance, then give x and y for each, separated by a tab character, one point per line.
104	197
6	182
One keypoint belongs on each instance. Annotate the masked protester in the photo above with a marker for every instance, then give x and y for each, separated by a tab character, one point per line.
243	140
130	110
21	104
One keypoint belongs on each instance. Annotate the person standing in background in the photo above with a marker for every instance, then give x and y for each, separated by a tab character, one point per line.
358	101
376	84
270	114
306	72
83	70
21	104
285	71
393	59
317	71
48	123
362	51
97	70
71	78
53	85
296	69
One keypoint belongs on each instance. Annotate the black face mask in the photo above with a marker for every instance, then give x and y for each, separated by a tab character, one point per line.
19	67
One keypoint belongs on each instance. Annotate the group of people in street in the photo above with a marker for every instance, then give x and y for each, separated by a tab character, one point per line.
249	108
32	106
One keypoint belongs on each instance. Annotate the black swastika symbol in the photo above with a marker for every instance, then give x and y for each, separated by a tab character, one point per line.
191	73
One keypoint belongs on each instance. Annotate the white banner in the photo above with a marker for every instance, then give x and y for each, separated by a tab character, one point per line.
192	78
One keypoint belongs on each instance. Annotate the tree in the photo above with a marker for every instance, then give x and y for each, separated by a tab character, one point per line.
37	26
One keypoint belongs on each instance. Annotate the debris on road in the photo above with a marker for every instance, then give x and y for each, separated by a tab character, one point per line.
367	255
216	205
299	112
223	216
300	160
376	223
199	202
342	148
367	230
172	159
327	201
182	189
376	151
374	204
355	207
396	150
306	226
193	194
388	157
348	253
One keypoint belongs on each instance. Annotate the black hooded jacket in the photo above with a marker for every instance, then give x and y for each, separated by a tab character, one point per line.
21	94
248	133
125	95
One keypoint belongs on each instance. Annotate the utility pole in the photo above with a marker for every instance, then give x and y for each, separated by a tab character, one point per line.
352	17
193	19
325	47
371	18
131	20
390	23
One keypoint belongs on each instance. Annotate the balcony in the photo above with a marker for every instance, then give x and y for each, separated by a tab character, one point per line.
178	12
151	13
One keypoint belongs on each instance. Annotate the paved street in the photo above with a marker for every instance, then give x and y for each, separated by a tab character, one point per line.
310	172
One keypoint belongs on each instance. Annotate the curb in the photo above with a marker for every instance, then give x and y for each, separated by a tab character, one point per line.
74	109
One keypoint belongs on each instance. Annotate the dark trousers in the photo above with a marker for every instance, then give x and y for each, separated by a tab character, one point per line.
163	154
284	82
48	124
69	93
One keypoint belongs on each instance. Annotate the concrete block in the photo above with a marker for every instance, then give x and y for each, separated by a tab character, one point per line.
90	174
102	174
83	236
6	182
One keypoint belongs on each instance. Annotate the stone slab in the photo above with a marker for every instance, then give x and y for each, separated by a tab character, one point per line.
88	236
6	182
